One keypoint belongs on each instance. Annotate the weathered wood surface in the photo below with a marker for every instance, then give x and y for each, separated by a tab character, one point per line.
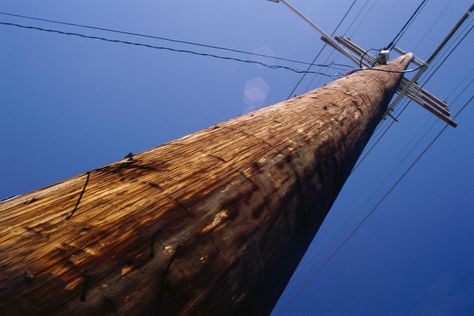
212	223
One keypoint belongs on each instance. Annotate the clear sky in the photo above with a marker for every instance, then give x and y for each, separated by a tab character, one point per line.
68	105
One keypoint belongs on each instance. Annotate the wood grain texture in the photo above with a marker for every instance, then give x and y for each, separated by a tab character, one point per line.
212	223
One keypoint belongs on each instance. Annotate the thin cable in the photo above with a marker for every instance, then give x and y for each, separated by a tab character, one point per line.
450	53
376	69
342	65
409	25
372	210
372	147
464	89
316	76
423	38
154	37
409	101
363	19
449	46
437	63
303	267
412	149
382	70
454	30
356	17
333	51
392	71
405	27
160	48
320	51
309	67
459	85
364	54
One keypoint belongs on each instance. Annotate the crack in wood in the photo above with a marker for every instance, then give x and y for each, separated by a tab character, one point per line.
152	243
163	278
85	287
80	197
217	157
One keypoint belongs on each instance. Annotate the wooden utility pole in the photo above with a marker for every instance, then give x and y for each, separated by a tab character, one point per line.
213	223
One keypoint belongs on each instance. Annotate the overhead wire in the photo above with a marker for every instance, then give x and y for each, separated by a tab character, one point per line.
363	19
410	167
406	25
435	59
304	266
412	149
450	53
390	71
394	41
333	51
356	17
453	31
397	37
435	21
158	47
320	51
459	85
398	165
97	28
372	210
383	132
382	70
371	8
371	148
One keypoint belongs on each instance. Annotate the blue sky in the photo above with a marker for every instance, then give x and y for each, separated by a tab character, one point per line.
68	105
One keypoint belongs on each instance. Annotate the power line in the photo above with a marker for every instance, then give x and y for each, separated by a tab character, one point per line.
423	38
309	67
408	154
386	70
450	34
374	208
320	51
450	53
409	101
315	76
418	158
304	267
392	188
391	71
446	55
356	17
465	88
160	48
333	51
154	37
366	154
407	24
465	78
363	19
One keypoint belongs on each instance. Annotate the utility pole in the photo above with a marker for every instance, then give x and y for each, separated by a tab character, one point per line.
213	223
